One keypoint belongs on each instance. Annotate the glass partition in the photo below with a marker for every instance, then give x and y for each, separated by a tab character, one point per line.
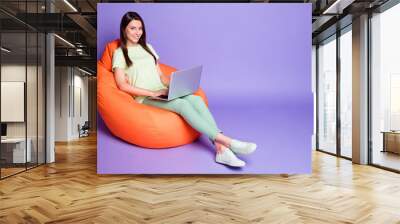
327	95
32	96
14	153
346	93
385	89
41	87
22	77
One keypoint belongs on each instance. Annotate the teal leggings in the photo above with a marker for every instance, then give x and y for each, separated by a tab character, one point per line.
193	109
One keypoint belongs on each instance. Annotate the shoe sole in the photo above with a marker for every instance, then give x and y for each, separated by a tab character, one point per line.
221	162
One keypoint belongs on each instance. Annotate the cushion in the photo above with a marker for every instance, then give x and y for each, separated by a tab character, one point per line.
136	123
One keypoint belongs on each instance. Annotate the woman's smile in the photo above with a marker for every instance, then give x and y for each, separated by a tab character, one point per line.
134	31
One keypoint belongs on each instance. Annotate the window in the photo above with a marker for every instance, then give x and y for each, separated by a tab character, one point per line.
385	88
346	92
327	95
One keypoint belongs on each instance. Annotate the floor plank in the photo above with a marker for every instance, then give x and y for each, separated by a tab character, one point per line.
70	191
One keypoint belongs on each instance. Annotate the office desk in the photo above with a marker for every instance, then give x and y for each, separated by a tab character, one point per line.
391	141
13	150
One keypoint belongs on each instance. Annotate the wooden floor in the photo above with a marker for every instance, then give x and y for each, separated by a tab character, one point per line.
70	191
387	159
5	172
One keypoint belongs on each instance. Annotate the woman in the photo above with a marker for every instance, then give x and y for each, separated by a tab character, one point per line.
137	72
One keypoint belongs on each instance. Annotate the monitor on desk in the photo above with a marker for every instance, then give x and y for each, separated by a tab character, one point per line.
3	130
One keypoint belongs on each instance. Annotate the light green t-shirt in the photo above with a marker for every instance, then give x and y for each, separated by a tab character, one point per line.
143	71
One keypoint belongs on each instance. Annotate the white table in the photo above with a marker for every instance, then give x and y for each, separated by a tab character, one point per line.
18	149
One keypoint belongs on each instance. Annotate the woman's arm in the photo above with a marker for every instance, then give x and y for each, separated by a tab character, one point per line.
164	78
134	91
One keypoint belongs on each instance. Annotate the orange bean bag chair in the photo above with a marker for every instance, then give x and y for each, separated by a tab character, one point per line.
136	123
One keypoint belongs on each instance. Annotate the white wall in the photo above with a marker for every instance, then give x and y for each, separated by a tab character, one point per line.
33	127
62	78
71	93
17	73
14	73
80	100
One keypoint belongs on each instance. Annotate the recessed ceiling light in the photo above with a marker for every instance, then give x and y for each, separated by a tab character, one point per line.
84	71
5	50
64	40
70	5
338	6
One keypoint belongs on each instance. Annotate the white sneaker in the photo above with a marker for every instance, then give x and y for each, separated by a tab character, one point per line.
227	157
242	147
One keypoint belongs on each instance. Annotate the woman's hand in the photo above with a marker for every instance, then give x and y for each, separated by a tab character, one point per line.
160	92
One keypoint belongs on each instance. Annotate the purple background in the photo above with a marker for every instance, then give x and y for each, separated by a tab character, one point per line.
256	73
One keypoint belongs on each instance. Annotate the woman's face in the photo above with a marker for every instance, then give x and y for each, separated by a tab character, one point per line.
133	31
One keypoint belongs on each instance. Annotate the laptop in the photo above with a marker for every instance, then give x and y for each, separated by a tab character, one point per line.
182	83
